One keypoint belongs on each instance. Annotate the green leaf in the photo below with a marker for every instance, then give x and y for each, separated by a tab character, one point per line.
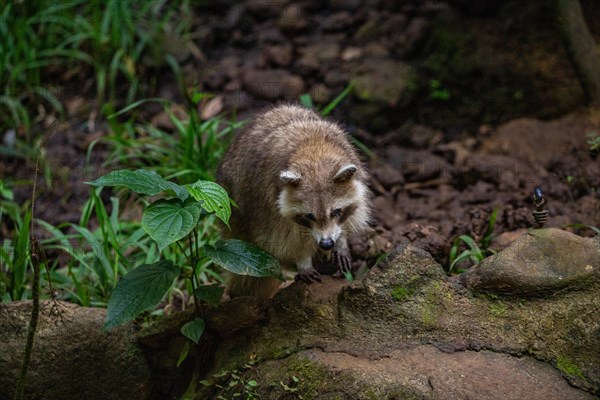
142	182
335	102
167	221
193	330
306	100
243	258
139	290
183	354
214	198
210	293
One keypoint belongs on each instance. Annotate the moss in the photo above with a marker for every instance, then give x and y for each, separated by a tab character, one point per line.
306	377
568	367
498	309
429	315
400	293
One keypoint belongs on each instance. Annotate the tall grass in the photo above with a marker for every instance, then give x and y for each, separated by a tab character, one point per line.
44	38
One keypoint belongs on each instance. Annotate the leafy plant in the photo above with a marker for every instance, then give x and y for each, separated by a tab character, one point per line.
14	254
192	153
173	220
475	252
237	384
437	91
33	37
118	39
307	101
593	142
99	256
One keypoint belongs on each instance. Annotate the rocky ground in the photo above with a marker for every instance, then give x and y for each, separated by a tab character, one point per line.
437	86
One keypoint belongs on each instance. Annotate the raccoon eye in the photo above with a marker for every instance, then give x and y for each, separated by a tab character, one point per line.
310	217
305	220
336	213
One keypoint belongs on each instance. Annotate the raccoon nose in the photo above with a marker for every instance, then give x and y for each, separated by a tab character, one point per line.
326	244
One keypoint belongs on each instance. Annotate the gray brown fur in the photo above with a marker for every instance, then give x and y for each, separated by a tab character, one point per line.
271	202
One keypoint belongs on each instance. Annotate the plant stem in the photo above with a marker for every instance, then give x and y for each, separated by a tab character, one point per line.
35	249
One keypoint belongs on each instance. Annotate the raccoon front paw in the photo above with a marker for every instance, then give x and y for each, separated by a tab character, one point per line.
343	261
308	275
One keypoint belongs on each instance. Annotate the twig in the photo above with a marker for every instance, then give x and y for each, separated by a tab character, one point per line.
35	251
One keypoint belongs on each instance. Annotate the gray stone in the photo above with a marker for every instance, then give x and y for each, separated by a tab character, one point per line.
322	52
273	84
538	261
292	19
385	81
280	54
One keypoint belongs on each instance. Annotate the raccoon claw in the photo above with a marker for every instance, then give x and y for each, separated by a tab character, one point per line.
343	261
308	276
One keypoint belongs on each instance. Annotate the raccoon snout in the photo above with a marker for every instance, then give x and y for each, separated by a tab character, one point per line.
326	244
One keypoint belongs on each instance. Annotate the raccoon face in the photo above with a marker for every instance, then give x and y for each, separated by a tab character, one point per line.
321	206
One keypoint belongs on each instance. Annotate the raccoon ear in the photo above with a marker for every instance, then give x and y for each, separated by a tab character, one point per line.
345	173
290	177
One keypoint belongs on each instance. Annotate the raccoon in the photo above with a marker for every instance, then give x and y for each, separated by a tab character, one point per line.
301	190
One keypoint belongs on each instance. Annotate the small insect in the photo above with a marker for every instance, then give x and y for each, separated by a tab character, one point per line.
540	214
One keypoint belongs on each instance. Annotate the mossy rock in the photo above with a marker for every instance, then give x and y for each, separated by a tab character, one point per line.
405	330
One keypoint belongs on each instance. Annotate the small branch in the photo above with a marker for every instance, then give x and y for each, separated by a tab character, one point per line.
36	254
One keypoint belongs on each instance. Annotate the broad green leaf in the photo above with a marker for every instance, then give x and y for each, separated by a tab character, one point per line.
210	293
193	330
139	290
214	198
167	221
141	181
243	258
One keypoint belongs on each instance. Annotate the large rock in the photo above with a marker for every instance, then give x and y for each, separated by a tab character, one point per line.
538	261
72	357
405	331
385	81
536	141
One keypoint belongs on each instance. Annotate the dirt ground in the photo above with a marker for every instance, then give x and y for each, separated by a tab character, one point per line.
460	121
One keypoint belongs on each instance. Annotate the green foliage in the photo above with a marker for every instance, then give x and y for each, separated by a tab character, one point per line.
474	252
213	198
210	294
169	221
243	258
139	290
99	255
140	181
192	152
236	383
193	330
437	91
14	254
114	38
307	101
593	141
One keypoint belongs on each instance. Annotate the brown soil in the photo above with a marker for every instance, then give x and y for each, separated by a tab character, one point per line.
440	165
